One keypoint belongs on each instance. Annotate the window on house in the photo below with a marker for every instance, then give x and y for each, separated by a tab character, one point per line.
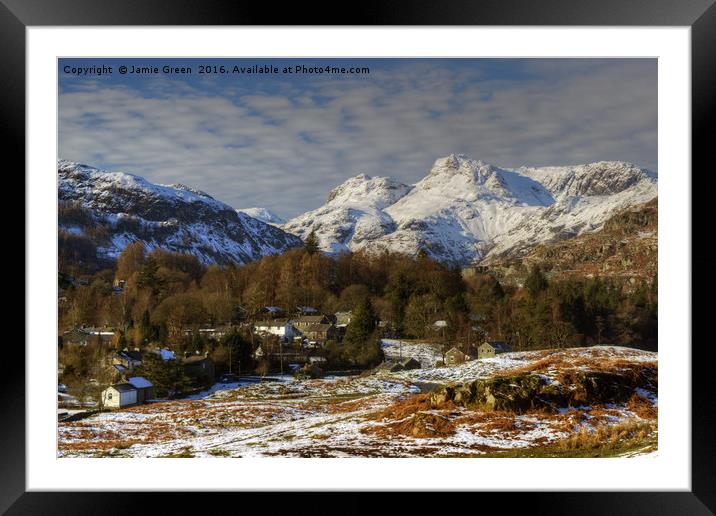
109	396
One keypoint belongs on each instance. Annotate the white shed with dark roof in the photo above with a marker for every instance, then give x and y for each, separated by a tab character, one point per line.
119	395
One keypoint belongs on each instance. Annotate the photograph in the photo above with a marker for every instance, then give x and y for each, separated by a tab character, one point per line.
357	257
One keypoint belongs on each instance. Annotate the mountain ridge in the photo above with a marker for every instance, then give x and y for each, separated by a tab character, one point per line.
466	210
121	208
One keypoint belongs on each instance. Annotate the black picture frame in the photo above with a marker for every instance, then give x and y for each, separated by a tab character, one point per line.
700	15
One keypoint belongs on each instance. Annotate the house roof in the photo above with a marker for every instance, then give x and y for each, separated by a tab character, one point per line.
310	319
123	387
195	359
166	354
317	327
139	382
499	345
454	350
99	331
134	355
275	323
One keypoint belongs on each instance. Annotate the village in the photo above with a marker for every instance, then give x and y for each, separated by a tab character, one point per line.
302	354
290	345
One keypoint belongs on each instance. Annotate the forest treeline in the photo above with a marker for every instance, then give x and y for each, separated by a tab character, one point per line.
165	294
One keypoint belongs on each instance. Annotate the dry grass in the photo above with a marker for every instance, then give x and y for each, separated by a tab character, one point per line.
642	407
607	437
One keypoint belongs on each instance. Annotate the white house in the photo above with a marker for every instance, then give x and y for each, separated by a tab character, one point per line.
280	327
119	395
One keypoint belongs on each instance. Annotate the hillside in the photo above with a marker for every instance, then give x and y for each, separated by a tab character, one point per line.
465	210
625	248
100	212
580	402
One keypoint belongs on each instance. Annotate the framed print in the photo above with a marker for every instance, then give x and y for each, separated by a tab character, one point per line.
422	251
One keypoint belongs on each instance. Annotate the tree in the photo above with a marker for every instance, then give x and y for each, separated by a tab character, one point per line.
361	344
148	332
179	312
120	341
398	293
420	314
352	296
130	260
311	244
536	282
236	352
149	277
167	376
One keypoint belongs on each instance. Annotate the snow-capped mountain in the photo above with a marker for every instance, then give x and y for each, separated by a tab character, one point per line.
353	215
264	215
117	208
466	210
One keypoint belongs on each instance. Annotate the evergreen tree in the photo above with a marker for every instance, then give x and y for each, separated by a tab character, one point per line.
239	352
148	275
147	331
361	345
311	243
398	293
362	325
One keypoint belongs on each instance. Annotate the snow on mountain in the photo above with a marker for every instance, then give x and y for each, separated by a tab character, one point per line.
264	215
465	210
353	215
120	208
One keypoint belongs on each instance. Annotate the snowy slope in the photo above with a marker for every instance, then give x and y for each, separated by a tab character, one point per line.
353	215
128	208
466	210
264	215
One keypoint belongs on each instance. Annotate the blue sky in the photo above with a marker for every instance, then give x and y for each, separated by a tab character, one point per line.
282	141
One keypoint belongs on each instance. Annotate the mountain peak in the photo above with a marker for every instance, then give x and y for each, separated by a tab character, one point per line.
465	209
362	188
454	164
263	214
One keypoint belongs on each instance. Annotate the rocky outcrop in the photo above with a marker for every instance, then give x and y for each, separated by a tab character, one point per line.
528	391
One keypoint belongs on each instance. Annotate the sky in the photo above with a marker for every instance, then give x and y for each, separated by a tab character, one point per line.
283	140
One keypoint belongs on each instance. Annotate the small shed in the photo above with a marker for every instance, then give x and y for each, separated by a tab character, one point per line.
492	348
119	395
145	389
